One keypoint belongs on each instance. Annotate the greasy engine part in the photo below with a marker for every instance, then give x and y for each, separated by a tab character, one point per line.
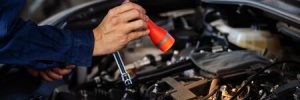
284	77
158	73
228	64
290	89
184	91
145	61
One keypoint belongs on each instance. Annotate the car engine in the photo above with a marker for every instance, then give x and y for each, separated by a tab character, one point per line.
224	50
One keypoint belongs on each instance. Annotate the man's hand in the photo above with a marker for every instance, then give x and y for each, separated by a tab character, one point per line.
122	24
52	74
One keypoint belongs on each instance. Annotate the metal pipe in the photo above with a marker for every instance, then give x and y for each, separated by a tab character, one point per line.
124	74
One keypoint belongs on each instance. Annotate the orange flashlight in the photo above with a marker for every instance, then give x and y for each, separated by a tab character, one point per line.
160	37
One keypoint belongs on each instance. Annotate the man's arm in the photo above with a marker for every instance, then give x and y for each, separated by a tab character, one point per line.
45	46
25	43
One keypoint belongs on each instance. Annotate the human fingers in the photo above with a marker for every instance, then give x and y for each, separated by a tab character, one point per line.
54	76
62	71
132	15
135	25
137	34
45	76
125	7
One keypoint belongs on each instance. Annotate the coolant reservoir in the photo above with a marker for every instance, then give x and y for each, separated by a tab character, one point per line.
251	39
261	41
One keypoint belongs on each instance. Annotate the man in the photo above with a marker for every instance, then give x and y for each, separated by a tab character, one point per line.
45	49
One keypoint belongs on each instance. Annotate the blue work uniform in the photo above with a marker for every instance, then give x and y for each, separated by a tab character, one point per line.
26	43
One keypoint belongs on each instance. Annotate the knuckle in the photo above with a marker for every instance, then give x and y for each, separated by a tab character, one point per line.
63	73
139	34
135	13
60	72
111	12
144	25
140	8
130	4
66	72
115	20
143	16
127	27
140	23
135	35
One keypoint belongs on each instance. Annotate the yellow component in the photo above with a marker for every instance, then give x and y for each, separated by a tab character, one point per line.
260	41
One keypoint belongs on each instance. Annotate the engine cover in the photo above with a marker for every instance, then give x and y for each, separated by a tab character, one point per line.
226	64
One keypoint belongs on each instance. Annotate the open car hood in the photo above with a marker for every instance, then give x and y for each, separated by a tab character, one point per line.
288	10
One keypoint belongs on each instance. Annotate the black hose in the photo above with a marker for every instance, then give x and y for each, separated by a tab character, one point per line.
248	81
163	72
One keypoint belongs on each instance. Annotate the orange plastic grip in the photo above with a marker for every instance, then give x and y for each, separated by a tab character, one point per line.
160	37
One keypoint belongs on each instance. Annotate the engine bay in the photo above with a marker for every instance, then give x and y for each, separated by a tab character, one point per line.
223	51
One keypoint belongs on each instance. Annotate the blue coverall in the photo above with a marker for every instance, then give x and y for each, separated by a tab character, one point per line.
25	43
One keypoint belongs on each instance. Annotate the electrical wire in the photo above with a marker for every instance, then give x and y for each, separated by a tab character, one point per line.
250	78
